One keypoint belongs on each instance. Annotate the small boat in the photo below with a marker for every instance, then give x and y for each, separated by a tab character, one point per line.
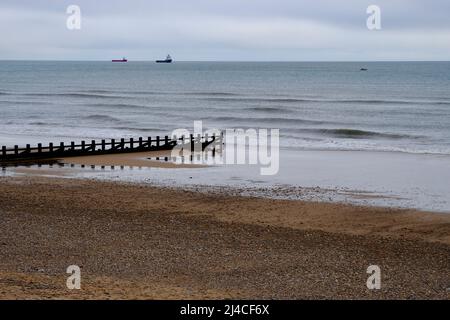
121	60
363	69
167	60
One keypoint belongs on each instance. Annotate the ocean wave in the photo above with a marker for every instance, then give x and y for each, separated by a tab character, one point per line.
219	94
98	91
119	106
205	93
274	121
140	129
41	123
269	109
101	117
89	95
73	95
146	92
309	100
24	102
324	146
394	102
356	133
127	92
226	97
279	100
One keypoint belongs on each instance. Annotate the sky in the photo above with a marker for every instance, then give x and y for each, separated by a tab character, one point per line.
226	30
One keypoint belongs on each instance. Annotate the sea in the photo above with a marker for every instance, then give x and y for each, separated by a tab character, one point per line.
385	130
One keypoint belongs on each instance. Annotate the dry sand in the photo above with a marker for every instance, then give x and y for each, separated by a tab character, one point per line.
135	241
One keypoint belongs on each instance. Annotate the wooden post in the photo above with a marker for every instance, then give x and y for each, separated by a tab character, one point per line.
122	143
113	144
39	147
182	144
166	140
192	142
140	142
131	143
72	146
28	149
93	145
50	147
103	145
157	141
4	151
214	145
174	138
149	142
61	147
199	144
83	146
16	150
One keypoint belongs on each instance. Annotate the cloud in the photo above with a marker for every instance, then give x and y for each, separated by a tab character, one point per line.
225	30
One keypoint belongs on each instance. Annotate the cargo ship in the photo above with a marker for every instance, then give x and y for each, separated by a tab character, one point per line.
120	60
167	60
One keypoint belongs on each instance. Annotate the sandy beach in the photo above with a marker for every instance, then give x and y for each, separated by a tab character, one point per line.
146	242
210	150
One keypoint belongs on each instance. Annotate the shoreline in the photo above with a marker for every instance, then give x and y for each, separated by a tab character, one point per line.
372	179
137	241
70	170
73	168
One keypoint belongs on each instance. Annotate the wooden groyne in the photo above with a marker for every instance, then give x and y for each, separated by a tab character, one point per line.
111	146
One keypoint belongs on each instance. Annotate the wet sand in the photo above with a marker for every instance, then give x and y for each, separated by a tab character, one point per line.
136	241
134	159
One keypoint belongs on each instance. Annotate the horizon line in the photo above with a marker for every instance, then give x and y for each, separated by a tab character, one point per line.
247	61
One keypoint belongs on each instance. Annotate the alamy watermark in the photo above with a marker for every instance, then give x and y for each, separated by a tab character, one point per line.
74	280
374	280
235	146
374	20
73	21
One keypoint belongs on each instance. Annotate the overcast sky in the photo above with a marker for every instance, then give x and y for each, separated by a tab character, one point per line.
267	30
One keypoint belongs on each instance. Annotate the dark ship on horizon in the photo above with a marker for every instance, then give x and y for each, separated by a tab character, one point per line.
167	60
120	60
